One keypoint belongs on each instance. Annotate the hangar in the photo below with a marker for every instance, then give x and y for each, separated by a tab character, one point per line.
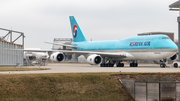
9	41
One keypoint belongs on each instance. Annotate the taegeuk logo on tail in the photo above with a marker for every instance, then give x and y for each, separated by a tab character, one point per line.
75	31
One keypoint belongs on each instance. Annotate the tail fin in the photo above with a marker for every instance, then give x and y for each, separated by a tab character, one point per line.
76	31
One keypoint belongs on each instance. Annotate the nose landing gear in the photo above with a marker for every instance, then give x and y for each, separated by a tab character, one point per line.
162	64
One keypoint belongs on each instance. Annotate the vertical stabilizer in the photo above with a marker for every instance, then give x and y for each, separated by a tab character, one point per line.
76	31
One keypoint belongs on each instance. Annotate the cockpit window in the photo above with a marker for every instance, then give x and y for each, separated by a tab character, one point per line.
165	37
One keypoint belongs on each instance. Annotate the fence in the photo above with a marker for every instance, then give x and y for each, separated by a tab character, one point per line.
153	90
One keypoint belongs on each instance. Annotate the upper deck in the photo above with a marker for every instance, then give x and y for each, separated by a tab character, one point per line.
131	43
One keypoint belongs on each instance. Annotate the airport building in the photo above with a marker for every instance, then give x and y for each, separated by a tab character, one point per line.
66	41
70	57
11	57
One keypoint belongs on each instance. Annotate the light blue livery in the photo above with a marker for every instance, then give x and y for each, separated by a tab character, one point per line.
150	47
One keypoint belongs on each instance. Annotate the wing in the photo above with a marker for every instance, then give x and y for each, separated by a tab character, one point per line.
104	54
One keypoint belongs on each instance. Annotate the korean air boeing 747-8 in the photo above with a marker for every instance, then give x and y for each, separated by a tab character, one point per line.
108	53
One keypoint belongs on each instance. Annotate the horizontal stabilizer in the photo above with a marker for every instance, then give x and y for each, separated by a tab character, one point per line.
61	44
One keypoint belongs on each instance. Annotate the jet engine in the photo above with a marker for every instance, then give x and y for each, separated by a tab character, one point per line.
94	59
57	57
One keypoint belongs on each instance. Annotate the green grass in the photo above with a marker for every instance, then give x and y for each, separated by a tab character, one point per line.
73	86
62	87
20	69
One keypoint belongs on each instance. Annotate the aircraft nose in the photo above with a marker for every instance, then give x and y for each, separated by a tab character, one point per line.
177	48
174	46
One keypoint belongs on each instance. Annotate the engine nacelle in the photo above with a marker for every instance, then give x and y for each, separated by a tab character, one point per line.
94	59
57	57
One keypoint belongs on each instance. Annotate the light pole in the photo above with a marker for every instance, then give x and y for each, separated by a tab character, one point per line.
176	7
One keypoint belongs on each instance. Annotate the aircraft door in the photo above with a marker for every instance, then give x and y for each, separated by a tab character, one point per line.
112	47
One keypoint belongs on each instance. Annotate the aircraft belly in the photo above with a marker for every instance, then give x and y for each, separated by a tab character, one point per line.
147	55
152	55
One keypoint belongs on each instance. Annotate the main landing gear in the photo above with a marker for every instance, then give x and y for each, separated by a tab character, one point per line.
133	64
107	63
119	64
112	64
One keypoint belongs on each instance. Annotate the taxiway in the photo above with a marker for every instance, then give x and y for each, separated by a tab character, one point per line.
86	68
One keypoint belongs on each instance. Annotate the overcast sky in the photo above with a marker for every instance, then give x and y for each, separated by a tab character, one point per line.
44	20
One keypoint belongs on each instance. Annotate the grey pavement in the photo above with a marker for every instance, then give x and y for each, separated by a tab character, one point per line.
86	68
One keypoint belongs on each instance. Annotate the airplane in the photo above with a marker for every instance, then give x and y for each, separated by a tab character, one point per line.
109	53
35	57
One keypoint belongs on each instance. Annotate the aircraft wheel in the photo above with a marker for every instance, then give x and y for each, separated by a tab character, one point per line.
133	64
118	65
110	65
136	64
175	65
101	65
122	64
130	64
162	65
